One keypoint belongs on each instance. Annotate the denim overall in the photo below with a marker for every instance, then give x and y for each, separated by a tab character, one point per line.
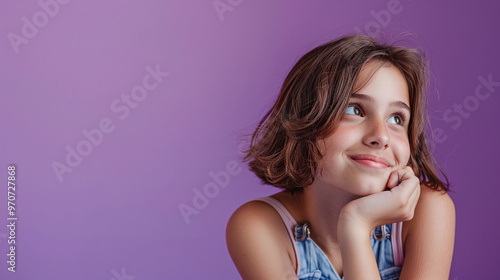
313	264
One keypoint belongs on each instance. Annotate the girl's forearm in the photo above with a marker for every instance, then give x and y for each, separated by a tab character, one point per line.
357	254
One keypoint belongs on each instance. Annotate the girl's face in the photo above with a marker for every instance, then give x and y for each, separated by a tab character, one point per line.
371	140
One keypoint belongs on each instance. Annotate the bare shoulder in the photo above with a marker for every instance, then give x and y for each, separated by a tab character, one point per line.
258	242
434	208
256	218
434	215
429	237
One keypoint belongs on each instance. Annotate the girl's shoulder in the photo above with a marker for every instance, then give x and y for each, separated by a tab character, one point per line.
258	241
434	208
259	211
428	239
255	212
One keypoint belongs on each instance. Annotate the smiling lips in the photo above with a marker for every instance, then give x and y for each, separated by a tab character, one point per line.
371	161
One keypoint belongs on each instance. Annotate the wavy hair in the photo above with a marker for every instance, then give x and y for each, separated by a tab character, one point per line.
283	150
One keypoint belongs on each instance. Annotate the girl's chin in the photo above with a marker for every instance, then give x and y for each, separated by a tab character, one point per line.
368	189
359	186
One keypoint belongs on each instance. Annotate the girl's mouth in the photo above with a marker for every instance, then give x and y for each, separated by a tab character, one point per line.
371	161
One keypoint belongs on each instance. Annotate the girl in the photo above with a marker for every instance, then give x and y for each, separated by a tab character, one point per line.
361	199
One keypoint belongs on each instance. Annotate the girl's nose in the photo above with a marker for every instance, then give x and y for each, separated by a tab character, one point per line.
377	135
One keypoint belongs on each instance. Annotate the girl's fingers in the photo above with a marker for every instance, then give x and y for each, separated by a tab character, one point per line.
396	204
411	186
412	203
393	179
398	176
406	177
405	174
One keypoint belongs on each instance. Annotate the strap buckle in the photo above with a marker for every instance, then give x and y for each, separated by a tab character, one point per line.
302	232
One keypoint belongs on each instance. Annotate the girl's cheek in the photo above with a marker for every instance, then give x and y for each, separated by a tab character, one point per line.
402	151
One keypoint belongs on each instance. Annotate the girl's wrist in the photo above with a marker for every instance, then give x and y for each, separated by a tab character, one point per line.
352	225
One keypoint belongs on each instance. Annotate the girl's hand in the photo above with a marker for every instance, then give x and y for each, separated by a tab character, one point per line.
359	217
393	205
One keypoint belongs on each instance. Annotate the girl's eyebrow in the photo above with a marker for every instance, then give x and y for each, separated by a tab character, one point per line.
397	103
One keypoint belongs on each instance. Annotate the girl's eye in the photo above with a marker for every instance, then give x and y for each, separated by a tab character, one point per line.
396	119
353	110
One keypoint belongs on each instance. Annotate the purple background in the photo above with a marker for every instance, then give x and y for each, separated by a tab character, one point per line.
116	215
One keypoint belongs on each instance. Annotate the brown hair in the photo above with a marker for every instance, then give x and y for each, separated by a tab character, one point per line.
314	96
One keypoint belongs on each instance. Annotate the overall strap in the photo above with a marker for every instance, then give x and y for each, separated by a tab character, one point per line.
397	243
288	220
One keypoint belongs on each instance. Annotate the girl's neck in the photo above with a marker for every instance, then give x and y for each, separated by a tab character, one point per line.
322	206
